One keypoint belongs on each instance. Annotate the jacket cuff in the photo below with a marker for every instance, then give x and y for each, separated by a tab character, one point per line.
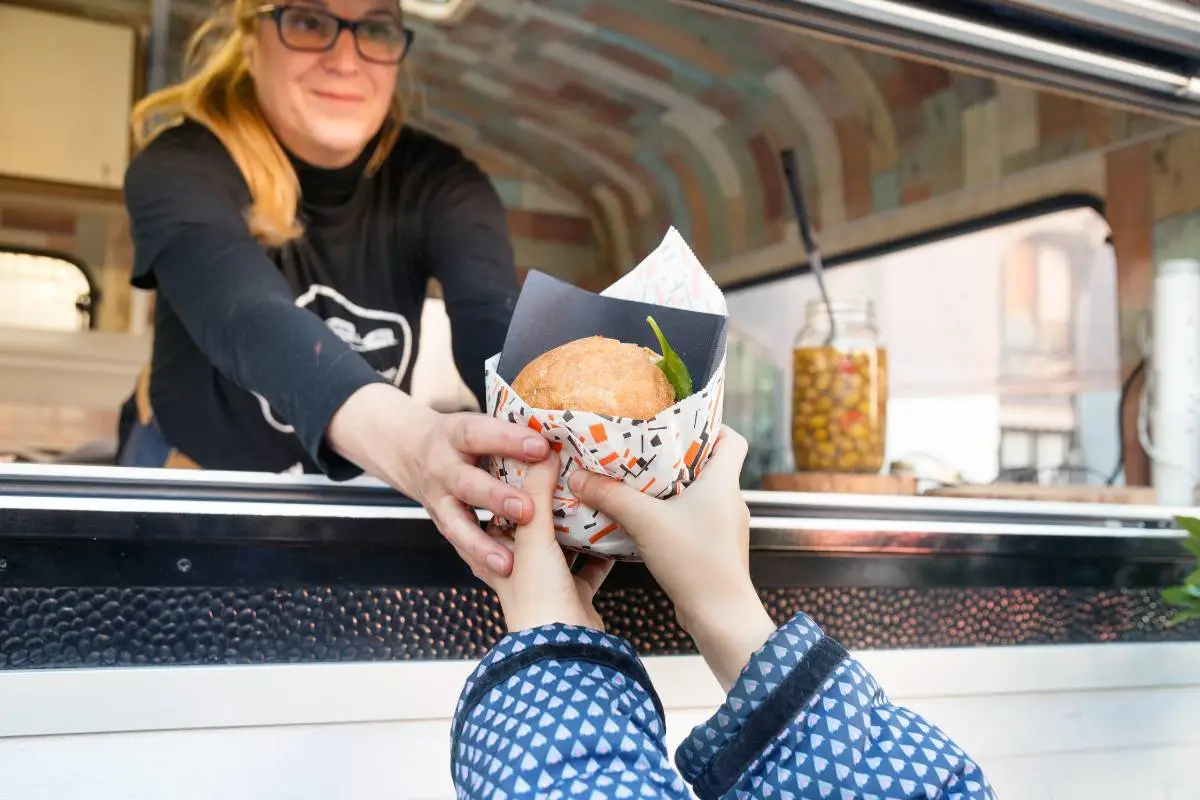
518	651
339	384
779	680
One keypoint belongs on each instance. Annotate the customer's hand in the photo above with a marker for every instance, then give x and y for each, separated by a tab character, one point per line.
697	547
434	459
542	589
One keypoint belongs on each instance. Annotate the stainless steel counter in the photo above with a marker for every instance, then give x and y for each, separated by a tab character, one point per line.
104	566
77	526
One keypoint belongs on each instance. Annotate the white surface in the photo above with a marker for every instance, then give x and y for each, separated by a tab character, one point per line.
1175	383
967	431
910	504
1084	721
66	87
884	505
40	292
436	381
84	368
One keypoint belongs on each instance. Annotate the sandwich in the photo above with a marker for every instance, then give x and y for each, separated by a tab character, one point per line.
606	376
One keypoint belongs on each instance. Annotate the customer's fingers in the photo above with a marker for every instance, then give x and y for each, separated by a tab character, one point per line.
625	504
479	489
461	527
540	480
728	457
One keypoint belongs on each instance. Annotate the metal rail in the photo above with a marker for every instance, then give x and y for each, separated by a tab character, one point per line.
925	31
108	527
34	487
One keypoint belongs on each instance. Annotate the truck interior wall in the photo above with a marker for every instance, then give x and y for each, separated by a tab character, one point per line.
604	122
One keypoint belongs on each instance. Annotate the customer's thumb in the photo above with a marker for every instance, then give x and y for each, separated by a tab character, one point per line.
728	458
609	496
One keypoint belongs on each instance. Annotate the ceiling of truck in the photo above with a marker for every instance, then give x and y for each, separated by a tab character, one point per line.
647	114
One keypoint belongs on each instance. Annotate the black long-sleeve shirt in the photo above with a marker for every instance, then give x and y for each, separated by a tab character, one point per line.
256	348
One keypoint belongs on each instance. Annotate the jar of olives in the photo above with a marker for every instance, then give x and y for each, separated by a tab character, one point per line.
839	389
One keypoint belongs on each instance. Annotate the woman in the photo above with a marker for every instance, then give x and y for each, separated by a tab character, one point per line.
290	223
560	709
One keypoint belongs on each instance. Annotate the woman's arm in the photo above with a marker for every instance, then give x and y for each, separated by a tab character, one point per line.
186	201
561	708
805	718
470	254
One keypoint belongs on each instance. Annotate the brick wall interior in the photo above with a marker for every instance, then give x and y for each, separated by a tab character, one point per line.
603	122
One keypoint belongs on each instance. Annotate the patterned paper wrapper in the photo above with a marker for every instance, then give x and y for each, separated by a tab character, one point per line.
660	456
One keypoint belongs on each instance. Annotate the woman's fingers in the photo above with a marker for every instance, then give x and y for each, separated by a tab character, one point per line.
592	574
478	489
480	435
461	527
476	569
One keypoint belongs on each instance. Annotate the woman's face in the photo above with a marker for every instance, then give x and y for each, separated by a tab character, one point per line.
323	106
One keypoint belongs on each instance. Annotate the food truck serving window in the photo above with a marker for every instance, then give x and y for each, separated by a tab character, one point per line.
997	337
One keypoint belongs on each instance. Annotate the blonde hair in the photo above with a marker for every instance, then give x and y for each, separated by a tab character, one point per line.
218	92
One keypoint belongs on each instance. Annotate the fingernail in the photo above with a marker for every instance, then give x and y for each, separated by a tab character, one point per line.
576	480
514	508
495	564
536	448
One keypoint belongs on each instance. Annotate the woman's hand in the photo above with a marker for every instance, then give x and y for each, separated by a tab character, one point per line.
434	459
697	546
542	590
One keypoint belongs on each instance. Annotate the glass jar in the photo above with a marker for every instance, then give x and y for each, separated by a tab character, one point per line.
839	389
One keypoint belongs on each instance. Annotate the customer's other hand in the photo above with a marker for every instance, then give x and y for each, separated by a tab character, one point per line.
697	547
541	589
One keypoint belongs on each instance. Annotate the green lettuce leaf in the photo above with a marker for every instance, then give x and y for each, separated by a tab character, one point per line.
672	366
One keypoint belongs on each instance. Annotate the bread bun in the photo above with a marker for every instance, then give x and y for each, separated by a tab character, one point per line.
598	375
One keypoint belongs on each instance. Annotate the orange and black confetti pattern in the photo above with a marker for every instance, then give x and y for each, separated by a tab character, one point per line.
660	456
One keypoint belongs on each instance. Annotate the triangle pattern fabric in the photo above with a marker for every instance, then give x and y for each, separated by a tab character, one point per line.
560	728
571	728
846	741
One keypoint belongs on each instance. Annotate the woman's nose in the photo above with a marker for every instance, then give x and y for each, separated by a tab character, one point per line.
343	56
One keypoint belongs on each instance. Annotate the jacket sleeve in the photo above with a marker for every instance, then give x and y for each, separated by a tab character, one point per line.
186	200
806	720
561	711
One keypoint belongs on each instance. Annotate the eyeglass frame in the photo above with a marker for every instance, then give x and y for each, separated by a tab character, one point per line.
276	12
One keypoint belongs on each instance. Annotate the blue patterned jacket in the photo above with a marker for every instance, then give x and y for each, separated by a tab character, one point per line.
565	712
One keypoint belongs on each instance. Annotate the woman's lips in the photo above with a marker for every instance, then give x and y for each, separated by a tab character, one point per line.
338	97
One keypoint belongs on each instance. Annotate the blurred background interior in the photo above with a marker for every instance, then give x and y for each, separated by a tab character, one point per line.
1005	233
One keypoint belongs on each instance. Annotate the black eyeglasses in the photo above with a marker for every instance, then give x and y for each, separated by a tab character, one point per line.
315	30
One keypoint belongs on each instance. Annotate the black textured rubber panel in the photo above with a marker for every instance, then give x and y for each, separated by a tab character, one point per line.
98	626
